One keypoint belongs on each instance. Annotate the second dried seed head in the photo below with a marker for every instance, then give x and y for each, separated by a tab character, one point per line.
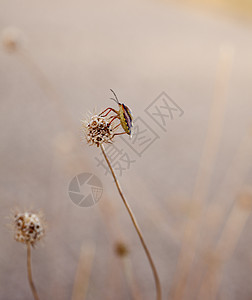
29	227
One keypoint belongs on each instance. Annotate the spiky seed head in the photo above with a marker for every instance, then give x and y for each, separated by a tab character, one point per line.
98	130
29	227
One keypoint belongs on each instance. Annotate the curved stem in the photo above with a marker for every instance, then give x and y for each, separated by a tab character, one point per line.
133	219
34	291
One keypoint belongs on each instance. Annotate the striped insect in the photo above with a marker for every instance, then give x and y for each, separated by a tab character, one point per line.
123	114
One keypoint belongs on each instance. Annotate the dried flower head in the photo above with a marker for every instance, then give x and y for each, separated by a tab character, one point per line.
121	249
11	38
98	130
29	227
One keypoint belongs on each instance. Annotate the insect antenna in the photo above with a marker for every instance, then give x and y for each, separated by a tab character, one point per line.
116	99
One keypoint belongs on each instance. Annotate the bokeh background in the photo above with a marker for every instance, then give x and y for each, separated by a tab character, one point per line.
190	190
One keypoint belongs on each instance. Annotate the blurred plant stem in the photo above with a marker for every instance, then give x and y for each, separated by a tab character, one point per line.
127	269
83	272
29	270
225	246
190	240
137	228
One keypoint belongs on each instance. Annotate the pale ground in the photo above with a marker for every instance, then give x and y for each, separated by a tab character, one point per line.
138	48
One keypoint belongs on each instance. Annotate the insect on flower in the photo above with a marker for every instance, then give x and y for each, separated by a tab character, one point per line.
123	114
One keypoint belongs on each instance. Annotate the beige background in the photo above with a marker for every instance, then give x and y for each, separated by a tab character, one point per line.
138	48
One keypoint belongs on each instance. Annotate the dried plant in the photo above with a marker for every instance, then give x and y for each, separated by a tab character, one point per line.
98	130
96	135
29	228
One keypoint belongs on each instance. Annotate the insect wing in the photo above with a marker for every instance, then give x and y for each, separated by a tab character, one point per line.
128	117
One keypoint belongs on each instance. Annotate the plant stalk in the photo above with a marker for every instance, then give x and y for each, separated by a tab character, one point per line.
29	270
137	228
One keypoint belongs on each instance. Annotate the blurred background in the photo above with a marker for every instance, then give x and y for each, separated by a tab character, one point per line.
190	189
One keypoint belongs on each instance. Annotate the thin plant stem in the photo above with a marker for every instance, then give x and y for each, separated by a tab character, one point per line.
29	269
133	219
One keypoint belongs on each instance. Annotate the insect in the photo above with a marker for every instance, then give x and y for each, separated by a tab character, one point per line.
123	114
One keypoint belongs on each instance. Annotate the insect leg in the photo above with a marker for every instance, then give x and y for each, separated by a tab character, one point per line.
117	126
109	110
120	133
113	118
